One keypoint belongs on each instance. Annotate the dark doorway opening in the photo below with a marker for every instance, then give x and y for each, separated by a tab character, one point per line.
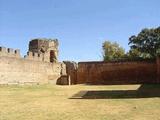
52	56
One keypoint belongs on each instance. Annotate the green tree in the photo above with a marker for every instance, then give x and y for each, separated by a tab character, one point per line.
146	44
112	51
133	53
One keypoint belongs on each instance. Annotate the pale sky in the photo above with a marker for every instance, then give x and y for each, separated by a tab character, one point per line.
81	26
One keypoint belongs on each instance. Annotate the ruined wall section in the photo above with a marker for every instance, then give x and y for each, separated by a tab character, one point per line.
22	71
71	69
117	72
31	69
48	48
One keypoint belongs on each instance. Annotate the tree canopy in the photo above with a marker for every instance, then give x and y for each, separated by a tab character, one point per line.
146	44
112	51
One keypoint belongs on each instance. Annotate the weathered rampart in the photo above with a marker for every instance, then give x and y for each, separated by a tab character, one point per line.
118	72
9	52
28	70
33	69
158	69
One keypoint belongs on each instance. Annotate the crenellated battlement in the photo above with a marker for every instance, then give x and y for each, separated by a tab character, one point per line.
15	53
39	65
34	56
9	52
46	47
45	50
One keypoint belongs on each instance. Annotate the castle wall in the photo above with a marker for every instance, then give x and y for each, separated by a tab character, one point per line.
21	71
9	52
158	69
35	68
117	72
34	56
71	69
44	47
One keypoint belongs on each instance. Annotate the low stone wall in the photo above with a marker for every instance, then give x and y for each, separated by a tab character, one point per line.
117	72
24	71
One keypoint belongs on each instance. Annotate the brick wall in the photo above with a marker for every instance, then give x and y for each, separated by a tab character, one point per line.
116	72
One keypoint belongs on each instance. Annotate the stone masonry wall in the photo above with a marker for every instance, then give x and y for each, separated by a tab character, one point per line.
71	69
9	52
158	69
116	72
21	71
33	70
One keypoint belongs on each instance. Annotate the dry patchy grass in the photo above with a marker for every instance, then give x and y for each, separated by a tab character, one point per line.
51	102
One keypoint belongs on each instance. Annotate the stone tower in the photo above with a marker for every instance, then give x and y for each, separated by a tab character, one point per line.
47	48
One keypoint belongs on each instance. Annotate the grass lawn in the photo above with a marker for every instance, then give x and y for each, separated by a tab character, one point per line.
80	102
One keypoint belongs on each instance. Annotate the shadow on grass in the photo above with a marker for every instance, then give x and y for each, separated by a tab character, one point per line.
144	91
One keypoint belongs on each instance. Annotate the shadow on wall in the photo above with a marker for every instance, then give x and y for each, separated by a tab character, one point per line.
63	80
145	91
